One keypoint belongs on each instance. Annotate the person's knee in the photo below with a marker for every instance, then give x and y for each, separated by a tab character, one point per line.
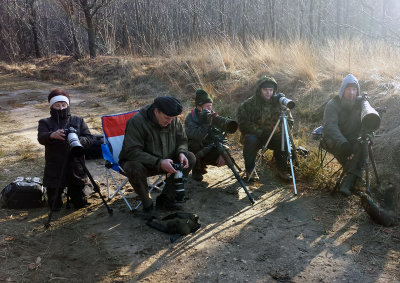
134	170
191	158
194	146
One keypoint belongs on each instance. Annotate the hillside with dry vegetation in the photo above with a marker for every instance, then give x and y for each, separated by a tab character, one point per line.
309	74
313	237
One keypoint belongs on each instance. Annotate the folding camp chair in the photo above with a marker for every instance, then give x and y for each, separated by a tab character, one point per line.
114	132
322	152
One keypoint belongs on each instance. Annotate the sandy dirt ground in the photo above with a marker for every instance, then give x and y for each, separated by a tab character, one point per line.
311	237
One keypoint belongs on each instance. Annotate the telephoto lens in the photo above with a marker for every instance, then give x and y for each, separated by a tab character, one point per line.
74	143
283	101
370	118
178	182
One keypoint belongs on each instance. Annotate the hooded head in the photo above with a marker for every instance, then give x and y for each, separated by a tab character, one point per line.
266	82
349	79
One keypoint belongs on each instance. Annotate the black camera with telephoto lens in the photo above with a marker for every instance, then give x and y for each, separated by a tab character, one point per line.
370	119
279	98
224	124
75	145
178	182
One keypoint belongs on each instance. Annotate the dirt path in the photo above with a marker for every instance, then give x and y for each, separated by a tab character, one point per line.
314	237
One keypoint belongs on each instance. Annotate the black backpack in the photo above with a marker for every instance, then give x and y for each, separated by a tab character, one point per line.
23	193
178	223
94	151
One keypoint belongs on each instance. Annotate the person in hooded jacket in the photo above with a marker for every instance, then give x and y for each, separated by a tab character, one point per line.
341	129
257	117
62	169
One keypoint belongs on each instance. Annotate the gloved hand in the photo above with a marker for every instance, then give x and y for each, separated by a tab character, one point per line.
346	148
205	117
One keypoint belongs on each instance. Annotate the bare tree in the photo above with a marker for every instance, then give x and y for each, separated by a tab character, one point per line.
90	8
33	23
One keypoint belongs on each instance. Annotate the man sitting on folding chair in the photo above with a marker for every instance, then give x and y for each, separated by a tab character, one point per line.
341	129
154	140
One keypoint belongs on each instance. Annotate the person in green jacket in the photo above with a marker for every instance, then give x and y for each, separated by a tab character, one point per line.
154	140
257	117
341	129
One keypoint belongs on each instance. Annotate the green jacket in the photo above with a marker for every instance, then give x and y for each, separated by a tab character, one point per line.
258	116
146	142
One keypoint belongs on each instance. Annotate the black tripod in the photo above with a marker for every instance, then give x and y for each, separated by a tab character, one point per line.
95	188
218	140
367	155
286	140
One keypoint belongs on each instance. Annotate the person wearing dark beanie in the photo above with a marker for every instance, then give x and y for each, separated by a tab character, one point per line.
62	169
197	130
154	140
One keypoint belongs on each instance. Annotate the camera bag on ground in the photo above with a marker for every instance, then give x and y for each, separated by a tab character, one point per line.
23	193
94	151
181	223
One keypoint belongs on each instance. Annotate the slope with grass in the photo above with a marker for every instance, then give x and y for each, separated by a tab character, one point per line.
310	238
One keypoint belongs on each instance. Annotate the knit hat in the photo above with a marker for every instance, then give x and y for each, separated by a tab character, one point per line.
58	95
268	84
168	105
202	97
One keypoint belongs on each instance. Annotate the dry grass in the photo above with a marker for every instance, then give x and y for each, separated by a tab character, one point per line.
308	73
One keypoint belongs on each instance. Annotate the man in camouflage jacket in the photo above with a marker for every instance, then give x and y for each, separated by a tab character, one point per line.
257	117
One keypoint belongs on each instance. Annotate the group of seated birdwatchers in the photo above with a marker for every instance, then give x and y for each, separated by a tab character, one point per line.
155	141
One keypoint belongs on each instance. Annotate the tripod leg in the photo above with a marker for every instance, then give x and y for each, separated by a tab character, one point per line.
233	161
289	151
366	165
264	149
371	156
293	145
229	162
335	188
96	187
47	224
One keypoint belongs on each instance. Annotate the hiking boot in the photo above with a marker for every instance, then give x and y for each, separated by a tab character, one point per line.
347	184
284	176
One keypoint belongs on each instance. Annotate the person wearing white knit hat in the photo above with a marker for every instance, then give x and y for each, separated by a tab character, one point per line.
62	169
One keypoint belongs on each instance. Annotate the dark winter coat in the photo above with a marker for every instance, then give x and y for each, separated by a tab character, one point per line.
341	125
147	142
61	169
195	130
258	116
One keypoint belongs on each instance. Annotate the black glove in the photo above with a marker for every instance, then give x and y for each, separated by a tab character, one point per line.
205	117
346	148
